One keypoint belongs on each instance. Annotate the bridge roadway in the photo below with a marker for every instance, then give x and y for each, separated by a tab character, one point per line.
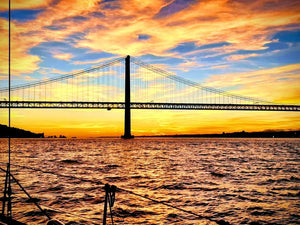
147	105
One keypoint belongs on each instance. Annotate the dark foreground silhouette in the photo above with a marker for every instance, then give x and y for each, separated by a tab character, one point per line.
13	132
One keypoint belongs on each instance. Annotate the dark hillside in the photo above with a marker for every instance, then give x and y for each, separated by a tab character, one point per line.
5	131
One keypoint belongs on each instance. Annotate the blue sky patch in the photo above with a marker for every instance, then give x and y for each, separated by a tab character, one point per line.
184	47
288	36
144	37
22	15
277	46
173	8
53	27
73	38
93	56
105	1
78	19
4	15
97	14
191	46
110	4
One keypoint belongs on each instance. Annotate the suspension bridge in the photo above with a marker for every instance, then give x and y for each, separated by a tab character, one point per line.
127	83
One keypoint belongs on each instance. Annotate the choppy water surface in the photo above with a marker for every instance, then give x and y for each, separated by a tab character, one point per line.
241	181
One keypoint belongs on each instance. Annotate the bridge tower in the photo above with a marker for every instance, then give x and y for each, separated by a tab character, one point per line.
127	118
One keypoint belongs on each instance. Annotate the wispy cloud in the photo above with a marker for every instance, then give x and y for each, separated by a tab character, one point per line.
226	23
279	84
220	67
22	62
97	61
239	57
186	66
245	26
63	56
28	4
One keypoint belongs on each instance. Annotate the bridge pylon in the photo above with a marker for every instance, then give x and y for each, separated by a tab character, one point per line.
127	118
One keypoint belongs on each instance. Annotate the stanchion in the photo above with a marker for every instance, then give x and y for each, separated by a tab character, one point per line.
6	200
110	192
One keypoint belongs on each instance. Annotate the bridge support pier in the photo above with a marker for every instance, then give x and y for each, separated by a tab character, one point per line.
127	118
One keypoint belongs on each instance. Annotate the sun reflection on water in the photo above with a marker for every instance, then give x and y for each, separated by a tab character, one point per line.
236	180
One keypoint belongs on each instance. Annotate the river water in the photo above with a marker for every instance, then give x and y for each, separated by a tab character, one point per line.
240	181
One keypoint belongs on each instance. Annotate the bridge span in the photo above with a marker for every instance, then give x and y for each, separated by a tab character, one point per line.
146	105
127	83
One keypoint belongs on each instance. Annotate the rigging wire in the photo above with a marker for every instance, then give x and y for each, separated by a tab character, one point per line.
7	192
46	207
7	187
28	195
9	80
127	191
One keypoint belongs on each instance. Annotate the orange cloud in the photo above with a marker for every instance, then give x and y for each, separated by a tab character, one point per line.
29	78
21	61
63	56
21	4
239	57
97	61
26	35
247	26
279	84
186	66
203	22
219	67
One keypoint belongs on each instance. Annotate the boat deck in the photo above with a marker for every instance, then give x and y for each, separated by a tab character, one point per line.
5	221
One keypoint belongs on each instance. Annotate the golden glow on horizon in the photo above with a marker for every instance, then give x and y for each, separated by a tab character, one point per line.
96	123
243	26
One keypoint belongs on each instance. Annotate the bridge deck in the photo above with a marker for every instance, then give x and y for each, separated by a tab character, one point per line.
146	105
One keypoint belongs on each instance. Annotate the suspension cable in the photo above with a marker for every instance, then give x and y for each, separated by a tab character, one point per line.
32	84
195	84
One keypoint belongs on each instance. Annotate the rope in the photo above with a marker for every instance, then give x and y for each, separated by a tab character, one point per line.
72	214
221	222
171	206
57	174
47	207
7	186
37	205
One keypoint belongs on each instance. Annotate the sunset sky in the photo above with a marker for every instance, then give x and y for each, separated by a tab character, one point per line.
245	47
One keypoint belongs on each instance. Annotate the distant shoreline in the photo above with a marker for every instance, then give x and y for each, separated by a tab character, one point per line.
19	133
13	132
243	134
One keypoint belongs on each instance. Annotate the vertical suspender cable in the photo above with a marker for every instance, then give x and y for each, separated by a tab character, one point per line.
7	191
9	81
